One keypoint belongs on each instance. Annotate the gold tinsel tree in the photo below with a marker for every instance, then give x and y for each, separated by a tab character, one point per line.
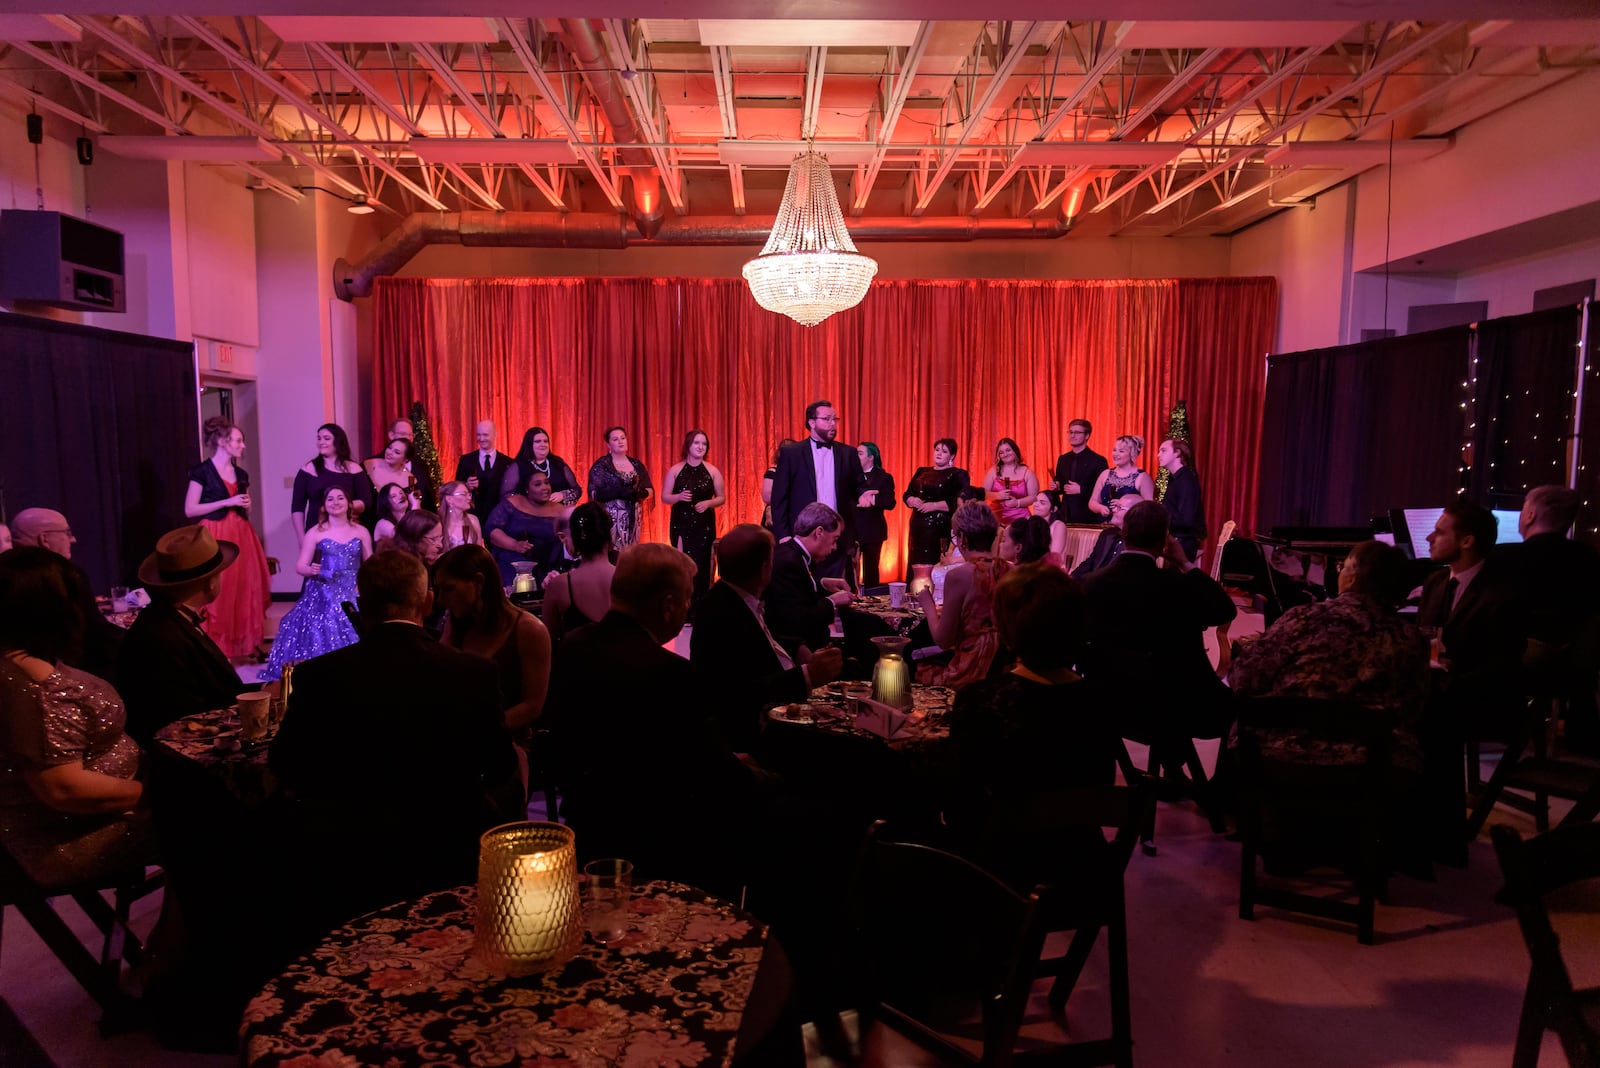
1177	427
422	441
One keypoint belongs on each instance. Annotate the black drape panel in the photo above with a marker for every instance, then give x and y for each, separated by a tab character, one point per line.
1523	404
103	427
1353	431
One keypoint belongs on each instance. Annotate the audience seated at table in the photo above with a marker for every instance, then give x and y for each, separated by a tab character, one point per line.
389	755
732	644
800	606
1109	544
95	650
965	623
1353	647
582	594
1147	622
1480	619
169	667
420	533
70	805
1038	726
483	620
643	772
1027	541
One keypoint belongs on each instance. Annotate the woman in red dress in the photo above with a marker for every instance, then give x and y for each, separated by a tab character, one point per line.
219	497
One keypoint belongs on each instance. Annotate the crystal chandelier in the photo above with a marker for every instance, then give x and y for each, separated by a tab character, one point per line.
809	268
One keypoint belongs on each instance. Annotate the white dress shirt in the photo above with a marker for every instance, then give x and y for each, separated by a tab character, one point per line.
822	464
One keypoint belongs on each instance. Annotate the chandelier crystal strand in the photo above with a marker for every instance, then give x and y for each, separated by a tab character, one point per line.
809	268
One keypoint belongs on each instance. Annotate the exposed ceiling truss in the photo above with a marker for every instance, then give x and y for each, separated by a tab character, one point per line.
1121	127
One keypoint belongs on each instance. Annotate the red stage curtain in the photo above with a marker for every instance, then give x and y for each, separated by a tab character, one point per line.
917	360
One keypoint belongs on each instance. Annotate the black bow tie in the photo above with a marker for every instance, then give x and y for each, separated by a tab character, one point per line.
821	444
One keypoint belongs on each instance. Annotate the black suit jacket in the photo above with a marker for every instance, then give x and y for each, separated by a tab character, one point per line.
1483	635
728	647
795	485
169	668
798	612
487	495
632	729
391	750
1148	623
872	527
1187	509
1083	468
1556	579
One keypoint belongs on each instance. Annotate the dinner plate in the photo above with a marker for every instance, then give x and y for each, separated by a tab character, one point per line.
794	714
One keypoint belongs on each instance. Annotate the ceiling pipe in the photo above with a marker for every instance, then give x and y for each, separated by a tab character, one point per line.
597	230
605	84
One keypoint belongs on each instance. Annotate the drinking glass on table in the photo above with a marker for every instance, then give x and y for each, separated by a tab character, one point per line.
607	885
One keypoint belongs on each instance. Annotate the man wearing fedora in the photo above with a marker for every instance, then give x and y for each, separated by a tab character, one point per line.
168	667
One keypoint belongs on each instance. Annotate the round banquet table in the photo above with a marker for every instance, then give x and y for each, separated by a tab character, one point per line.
927	725
209	747
400	986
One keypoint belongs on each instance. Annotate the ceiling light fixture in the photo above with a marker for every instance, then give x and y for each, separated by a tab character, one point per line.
359	205
809	268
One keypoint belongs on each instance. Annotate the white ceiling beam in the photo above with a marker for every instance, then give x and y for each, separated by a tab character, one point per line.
1002	74
640	89
530	63
894	103
225	48
816	68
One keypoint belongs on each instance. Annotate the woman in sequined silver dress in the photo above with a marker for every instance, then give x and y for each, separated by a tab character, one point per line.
69	803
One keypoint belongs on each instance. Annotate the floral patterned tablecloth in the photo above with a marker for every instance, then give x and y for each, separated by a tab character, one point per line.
400	986
211	740
928	725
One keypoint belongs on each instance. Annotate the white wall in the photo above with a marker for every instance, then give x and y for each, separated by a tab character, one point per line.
1509	287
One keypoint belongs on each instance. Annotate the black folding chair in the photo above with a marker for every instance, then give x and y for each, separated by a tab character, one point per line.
943	953
1312	795
100	976
1533	868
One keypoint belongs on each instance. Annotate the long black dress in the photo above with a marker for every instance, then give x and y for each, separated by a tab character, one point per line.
693	531
928	529
872	528
309	488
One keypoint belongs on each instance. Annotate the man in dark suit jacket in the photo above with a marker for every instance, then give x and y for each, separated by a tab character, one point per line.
732	644
1148	623
391	753
796	482
800	606
1185	506
1478	615
1076	472
401	428
632	728
168	667
484	471
1108	546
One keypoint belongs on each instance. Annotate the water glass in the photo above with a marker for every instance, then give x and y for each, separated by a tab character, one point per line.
607	885
119	599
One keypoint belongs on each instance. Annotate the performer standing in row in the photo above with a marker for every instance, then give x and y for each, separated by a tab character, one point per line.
219	497
332	466
1077	471
1124	477
622	484
534	454
695	490
933	494
818	469
483	470
1184	502
877	497
1010	483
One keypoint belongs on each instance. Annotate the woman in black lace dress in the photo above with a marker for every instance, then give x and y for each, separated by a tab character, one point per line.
695	491
621	484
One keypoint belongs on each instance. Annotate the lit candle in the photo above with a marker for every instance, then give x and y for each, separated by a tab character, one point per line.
522	581
528	915
891	681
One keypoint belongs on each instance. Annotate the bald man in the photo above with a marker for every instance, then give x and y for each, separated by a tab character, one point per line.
483	470
45	528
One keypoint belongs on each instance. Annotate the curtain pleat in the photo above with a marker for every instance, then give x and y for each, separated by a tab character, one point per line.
916	360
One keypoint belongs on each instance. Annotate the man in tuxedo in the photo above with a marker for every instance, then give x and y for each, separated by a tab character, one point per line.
1185	507
1477	613
818	469
1076	472
483	470
401	428
800	606
632	728
168	667
392	754
1148	622
731	643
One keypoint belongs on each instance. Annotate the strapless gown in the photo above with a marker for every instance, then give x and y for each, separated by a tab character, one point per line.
317	624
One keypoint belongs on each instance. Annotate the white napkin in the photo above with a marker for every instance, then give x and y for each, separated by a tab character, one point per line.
139	597
877	718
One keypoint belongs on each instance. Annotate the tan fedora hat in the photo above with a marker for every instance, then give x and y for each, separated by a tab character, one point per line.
185	555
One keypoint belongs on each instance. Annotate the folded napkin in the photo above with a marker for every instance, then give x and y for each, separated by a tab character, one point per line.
877	718
139	598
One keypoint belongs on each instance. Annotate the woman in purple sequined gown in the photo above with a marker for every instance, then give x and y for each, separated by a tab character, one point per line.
330	556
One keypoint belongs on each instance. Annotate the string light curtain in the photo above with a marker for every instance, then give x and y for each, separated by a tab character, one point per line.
916	360
1521	421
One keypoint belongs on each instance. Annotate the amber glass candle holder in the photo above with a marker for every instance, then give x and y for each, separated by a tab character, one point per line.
529	914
